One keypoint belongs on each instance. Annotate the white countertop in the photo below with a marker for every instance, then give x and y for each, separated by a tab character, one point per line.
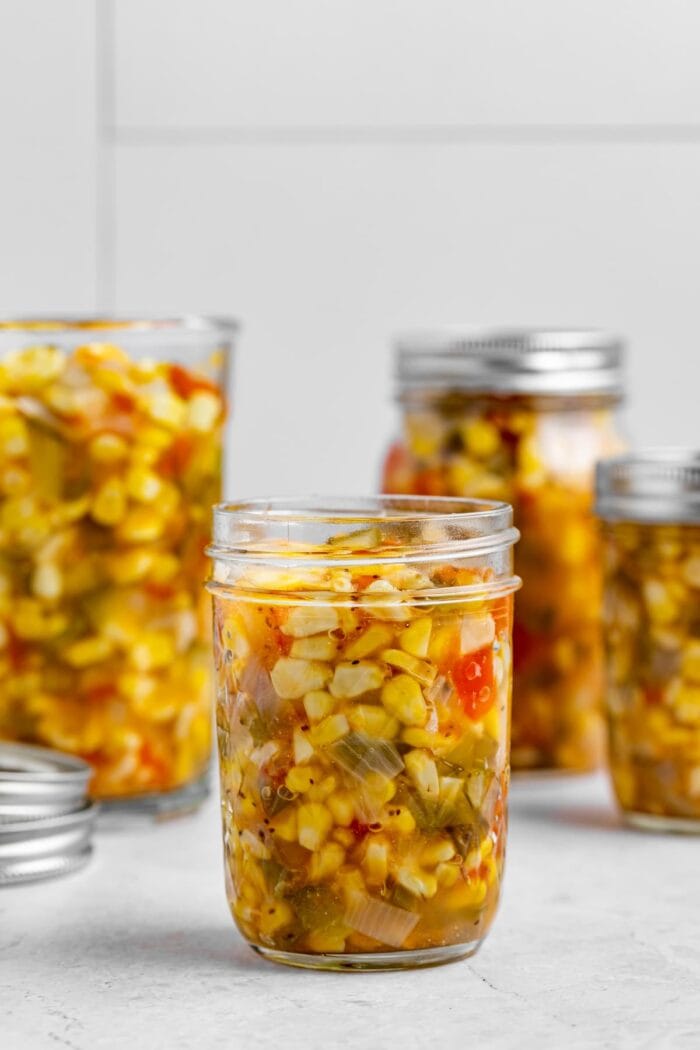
597	944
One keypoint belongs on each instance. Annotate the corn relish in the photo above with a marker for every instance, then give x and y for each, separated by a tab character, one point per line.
364	677
110	457
650	503
523	417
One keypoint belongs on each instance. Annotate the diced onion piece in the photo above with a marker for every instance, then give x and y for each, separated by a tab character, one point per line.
383	922
477	632
361	755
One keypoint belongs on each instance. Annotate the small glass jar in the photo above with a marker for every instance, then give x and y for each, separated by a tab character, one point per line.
363	664
650	506
110	459
523	416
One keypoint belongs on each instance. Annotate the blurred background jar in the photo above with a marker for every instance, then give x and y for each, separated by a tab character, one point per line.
110	459
650	505
523	416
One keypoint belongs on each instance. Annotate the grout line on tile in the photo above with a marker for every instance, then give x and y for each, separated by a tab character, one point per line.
105	170
439	135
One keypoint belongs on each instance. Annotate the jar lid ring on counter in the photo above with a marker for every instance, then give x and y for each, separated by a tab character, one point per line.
46	818
544	361
658	485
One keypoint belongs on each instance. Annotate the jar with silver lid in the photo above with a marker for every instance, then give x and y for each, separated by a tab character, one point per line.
523	416
650	505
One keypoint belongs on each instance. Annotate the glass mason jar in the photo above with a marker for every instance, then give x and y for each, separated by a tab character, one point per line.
110	460
362	650
650	506
523	416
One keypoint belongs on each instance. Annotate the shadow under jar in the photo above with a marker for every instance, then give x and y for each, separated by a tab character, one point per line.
110	459
650	506
523	416
364	675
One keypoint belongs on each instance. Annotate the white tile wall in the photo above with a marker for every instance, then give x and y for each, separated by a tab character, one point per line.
333	172
47	156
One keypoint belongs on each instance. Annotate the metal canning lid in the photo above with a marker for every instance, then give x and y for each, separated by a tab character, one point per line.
510	361
46	821
653	485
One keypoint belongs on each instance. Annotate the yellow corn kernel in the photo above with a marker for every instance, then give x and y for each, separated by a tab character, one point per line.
447	875
137	688
434	741
690	667
437	852
143	485
203	411
329	730
659	601
315	647
350	883
467	893
492	722
318	704
154	650
303	749
300	778
319	792
274	916
109	503
164	567
422	770
443	645
164	408
284	824
376	637
294	678
141	525
304	620
373	720
419	669
375	863
402	697
315	822
33	367
415	639
482	438
398	819
15	481
47	582
342	806
326	861
130	566
376	790
325	941
344	836
88	651
419	883
691	570
30	622
354	679
14	437
108	448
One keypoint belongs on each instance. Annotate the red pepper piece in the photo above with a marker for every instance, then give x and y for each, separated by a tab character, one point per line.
472	676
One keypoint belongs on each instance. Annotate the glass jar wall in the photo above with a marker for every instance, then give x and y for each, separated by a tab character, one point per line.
364	674
110	459
650	503
523	417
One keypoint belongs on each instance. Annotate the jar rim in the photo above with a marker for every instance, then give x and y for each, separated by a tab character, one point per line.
183	324
650	485
384	529
543	361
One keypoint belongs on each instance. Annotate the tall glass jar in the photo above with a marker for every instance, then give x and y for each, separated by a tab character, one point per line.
110	459
363	665
523	416
650	506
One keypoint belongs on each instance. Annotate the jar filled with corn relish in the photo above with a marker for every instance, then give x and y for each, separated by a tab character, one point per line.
110	459
523	416
650	506
364	672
